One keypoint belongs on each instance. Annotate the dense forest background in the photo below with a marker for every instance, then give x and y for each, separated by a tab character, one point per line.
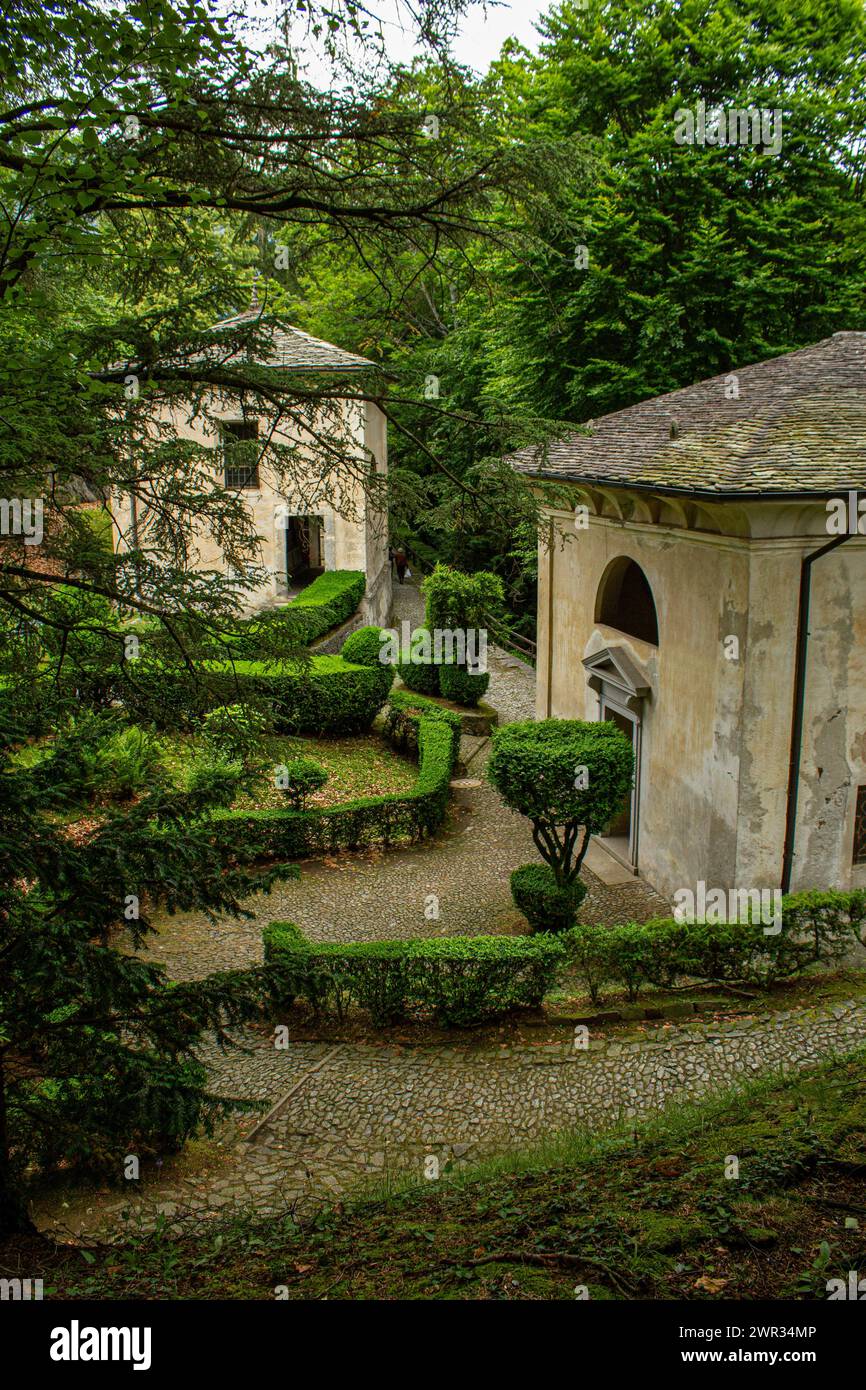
606	264
698	259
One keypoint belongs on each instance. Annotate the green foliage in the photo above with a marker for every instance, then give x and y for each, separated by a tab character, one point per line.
374	820
363	646
562	773
460	981
103	1046
234	731
455	600
414	671
325	695
817	928
93	757
331	599
81	654
462	686
299	779
406	710
544	903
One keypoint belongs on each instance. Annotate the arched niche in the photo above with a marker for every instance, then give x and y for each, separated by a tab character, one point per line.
625	601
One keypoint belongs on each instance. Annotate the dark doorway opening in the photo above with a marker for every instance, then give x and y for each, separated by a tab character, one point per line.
304	551
620	836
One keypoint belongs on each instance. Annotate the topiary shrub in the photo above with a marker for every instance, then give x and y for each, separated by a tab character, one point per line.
460	685
546	906
234	731
569	777
461	981
416	673
299	779
457	601
364	647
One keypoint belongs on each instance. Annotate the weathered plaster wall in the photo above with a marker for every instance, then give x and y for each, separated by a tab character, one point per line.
691	723
354	536
834	735
716	732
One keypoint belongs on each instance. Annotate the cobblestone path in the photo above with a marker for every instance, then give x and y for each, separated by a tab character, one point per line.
367	897
347	1112
343	1113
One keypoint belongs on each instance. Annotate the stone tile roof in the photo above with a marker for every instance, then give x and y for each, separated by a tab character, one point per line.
289	348
798	425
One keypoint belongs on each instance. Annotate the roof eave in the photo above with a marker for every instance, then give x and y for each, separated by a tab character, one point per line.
711	494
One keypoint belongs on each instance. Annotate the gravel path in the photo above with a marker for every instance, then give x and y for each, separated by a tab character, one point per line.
376	895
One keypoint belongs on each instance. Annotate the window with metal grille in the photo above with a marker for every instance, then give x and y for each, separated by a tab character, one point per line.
860	827
240	441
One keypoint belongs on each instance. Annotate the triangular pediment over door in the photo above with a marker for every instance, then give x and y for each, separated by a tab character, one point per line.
612	672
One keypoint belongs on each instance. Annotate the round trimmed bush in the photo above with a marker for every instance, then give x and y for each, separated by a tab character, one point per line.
420	676
546	906
460	685
569	777
364	646
299	779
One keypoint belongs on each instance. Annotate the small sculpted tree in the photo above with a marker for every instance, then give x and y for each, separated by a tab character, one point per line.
570	778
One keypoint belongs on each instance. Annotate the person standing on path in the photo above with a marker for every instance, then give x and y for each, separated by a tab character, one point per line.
401	564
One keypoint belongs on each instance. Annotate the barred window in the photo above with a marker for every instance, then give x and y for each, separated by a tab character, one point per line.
860	827
240	442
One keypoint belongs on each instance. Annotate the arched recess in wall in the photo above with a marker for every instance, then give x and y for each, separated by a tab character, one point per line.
625	601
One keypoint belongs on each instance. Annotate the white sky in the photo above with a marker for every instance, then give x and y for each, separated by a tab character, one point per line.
483	31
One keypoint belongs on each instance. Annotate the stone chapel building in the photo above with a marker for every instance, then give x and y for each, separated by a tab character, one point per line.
307	529
707	593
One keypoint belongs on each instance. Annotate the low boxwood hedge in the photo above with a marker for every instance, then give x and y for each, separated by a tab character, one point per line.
816	928
460	980
325	695
327	602
329	695
371	820
403	716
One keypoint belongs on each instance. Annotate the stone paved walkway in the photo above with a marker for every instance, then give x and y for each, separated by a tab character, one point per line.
351	1112
367	897
342	1113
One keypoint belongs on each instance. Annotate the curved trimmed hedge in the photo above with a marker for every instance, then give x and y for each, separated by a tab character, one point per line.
372	820
327	602
461	980
327	695
817	928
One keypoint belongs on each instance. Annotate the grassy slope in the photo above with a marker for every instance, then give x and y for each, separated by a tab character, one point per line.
648	1214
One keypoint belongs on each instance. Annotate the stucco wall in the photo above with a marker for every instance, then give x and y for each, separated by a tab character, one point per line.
715	731
354	533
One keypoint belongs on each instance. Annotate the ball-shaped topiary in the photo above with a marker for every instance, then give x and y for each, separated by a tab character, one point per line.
461	685
364	646
545	905
416	666
568	777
